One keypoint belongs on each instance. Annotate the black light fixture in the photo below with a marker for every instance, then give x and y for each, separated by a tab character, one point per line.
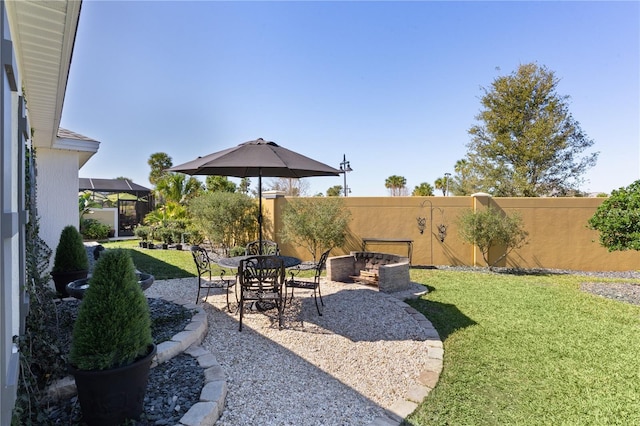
345	168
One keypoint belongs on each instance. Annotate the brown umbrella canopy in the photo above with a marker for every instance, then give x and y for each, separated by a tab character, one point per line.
256	159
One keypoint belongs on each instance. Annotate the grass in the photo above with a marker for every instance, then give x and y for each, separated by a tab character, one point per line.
519	349
162	264
529	350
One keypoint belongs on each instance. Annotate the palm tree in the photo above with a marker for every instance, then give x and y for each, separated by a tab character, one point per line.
423	190
441	184
175	187
397	185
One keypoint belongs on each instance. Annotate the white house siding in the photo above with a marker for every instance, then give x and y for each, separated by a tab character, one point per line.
57	192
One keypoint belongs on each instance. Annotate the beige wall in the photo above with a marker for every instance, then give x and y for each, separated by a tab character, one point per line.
558	233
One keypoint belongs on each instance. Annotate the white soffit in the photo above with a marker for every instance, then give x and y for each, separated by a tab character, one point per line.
43	33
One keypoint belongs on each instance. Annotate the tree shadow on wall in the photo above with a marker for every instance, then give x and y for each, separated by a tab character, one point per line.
446	318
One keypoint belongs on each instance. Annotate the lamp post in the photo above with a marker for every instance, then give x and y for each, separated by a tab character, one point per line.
345	167
447	176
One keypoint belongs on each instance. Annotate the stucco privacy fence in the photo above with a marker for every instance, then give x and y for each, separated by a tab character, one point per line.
558	233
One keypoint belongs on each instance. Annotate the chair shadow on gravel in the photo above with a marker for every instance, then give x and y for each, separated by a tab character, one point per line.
366	315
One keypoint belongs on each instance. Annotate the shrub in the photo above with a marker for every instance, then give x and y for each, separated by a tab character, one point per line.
618	219
93	230
71	255
490	228
113	326
317	224
142	232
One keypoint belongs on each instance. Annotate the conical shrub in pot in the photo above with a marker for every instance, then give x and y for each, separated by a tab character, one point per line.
111	341
70	262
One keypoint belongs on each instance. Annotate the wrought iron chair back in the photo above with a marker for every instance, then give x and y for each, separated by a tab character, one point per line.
314	285
269	248
205	279
262	281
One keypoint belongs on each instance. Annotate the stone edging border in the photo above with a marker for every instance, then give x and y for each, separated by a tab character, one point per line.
428	377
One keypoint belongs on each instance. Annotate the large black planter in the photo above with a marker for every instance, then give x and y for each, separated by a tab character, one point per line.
110	397
78	287
61	279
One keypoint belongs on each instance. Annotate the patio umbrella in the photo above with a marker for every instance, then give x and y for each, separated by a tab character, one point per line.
256	159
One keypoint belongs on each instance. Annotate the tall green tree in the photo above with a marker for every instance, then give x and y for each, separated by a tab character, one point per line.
423	190
618	219
397	185
220	184
159	163
178	187
465	180
441	184
334	191
527	143
317	224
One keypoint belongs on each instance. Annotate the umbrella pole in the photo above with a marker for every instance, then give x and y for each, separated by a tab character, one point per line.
260	211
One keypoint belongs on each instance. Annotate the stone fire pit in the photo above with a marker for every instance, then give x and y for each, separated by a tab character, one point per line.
388	272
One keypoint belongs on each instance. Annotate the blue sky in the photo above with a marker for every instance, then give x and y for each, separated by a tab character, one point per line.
394	86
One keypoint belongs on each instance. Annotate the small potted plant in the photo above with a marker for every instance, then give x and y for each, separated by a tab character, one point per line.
112	347
71	262
142	232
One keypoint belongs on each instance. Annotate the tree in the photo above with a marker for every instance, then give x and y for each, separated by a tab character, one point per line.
178	187
159	163
465	180
490	228
423	190
220	183
618	219
290	186
245	183
397	185
225	218
527	142
317	224
334	191
441	184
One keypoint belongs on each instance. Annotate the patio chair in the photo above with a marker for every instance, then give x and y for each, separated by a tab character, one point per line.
205	279
314	285
269	248
262	283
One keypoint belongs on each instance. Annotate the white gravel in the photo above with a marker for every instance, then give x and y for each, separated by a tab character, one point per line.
343	368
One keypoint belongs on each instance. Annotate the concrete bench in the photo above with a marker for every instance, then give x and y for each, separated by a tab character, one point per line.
388	272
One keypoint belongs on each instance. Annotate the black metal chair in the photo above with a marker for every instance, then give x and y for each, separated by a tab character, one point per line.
269	248
314	285
205	279
262	283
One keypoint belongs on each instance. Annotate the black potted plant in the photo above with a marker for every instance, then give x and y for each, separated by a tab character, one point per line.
142	232
71	262
112	347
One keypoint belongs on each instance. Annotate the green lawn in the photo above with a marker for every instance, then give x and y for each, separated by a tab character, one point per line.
529	350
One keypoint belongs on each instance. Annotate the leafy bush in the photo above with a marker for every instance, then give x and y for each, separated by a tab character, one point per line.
71	255
490	228
142	232
237	251
91	229
317	224
113	326
618	219
225	218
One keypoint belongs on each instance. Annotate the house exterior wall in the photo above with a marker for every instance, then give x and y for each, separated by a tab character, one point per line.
558	234
13	220
57	193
